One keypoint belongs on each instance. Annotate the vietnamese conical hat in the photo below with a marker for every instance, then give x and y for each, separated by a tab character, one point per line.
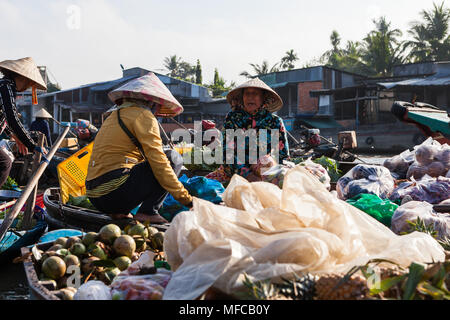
149	88
27	68
43	114
272	100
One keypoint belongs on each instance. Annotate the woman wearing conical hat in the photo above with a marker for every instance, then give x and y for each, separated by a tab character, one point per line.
18	75
123	173
252	107
41	124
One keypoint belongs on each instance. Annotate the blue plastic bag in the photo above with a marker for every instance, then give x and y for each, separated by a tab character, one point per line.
200	187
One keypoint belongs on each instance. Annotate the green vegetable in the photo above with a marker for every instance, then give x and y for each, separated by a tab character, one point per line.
10	184
82	201
331	166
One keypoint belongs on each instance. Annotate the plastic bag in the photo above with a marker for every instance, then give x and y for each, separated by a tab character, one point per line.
365	179
416	171
398	165
143	287
381	210
93	290
412	210
430	190
318	171
305	229
200	187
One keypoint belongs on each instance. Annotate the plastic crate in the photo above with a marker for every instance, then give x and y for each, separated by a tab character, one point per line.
72	173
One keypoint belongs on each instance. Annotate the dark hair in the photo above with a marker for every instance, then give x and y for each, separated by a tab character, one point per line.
11	75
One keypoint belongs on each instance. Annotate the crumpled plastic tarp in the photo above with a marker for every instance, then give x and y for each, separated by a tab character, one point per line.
269	233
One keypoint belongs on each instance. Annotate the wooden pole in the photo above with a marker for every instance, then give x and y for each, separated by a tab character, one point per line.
28	215
9	218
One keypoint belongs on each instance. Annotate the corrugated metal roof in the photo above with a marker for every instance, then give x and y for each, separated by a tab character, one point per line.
418	82
107	86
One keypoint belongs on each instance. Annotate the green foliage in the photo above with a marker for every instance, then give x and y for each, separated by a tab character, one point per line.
287	62
260	69
180	69
420	226
10	184
82	202
198	73
258	290
382	48
331	166
431	36
219	85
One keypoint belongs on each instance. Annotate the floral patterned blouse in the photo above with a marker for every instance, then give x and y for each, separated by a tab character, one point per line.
262	119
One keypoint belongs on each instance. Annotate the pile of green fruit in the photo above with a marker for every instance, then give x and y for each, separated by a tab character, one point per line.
98	256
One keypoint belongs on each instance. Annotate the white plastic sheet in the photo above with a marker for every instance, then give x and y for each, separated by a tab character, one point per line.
267	234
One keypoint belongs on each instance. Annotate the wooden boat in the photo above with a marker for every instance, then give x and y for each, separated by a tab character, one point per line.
15	243
38	291
432	121
60	216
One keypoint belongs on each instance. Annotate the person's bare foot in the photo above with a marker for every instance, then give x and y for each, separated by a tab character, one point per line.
152	218
119	216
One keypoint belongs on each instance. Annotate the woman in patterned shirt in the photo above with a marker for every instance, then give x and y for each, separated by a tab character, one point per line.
18	75
253	104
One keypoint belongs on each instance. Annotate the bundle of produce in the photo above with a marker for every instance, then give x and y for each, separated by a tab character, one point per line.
202	153
318	171
81	201
275	174
141	287
365	179
376	280
407	215
98	256
431	190
329	164
11	184
380	209
430	158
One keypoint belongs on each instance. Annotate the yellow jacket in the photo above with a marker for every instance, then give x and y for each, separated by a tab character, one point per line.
113	149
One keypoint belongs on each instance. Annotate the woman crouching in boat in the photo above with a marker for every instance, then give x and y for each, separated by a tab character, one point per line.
18	75
128	165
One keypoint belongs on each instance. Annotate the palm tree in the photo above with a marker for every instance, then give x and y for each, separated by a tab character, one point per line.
260	69
172	64
331	57
431	38
287	62
420	49
381	48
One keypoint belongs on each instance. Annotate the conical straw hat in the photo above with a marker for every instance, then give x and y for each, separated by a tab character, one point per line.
149	88
43	114
27	68
272	100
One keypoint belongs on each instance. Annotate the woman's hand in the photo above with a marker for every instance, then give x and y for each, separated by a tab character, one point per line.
22	148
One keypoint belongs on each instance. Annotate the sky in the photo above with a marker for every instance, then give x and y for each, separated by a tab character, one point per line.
85	41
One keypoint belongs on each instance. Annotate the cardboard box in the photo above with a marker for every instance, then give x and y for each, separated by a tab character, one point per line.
348	139
71	143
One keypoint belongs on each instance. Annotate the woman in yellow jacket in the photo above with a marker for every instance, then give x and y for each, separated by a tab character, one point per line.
124	173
